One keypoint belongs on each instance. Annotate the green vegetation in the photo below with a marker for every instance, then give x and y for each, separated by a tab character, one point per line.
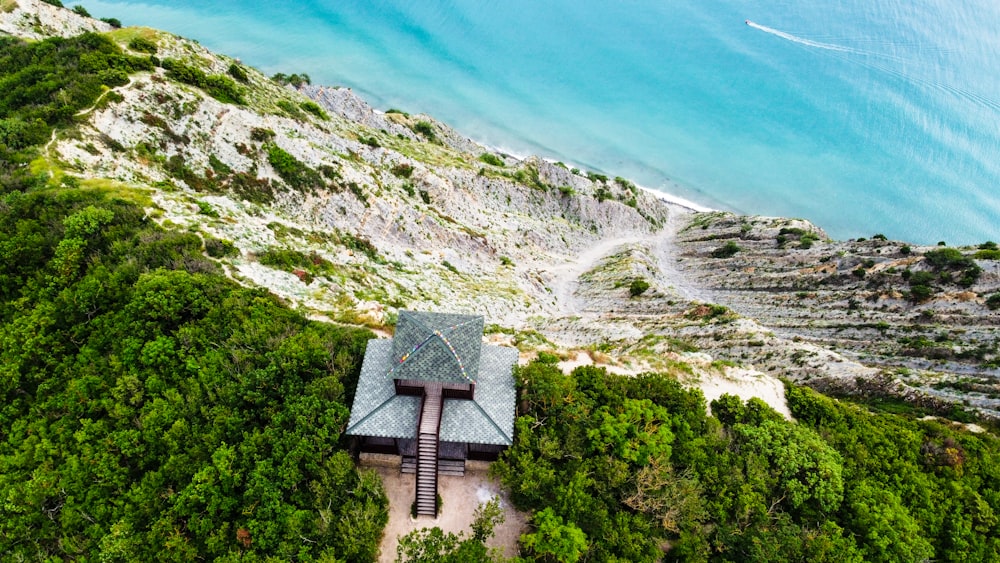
113	22
987	254
219	248
726	251
402	170
42	85
155	411
313	108
239	73
218	86
948	261
142	45
296	80
530	176
433	545
638	287
81	11
805	238
993	302
424	128
294	172
491	159
616	468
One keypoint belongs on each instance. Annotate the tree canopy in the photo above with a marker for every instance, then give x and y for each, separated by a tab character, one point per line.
154	410
633	469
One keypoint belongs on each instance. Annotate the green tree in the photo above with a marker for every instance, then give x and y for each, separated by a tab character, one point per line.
553	539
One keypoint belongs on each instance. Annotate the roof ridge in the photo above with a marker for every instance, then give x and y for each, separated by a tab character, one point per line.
370	414
490	418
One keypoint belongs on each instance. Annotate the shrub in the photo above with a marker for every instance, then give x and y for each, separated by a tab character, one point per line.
726	250
113	22
220	87
290	108
80	10
424	128
548	358
261	135
920	293
296	174
947	258
905	250
993	302
399	111
237	72
638	287
987	254
219	248
205	208
402	170
989	245
370	141
142	45
313	108
296	80
491	159
921	278
505	261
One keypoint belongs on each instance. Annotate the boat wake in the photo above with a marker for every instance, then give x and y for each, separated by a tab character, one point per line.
874	61
804	41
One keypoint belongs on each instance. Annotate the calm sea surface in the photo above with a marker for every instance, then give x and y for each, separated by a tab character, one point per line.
864	117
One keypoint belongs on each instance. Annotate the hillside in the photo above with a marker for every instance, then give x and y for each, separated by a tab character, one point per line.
314	204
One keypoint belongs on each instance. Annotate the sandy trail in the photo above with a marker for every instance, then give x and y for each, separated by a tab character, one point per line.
566	276
666	252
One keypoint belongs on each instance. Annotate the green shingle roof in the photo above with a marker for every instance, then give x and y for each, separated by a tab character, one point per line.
487	419
437	347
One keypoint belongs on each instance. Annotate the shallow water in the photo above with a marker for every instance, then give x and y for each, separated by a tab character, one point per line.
864	118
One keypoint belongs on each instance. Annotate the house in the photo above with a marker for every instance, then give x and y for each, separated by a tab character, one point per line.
436	396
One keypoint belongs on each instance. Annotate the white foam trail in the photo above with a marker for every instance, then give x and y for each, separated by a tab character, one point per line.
803	41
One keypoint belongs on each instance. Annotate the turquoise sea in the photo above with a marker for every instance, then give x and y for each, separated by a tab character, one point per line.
864	117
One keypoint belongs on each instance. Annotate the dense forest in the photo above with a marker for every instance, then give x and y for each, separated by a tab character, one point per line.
620	469
151	409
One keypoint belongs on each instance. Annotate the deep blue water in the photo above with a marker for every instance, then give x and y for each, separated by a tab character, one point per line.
864	117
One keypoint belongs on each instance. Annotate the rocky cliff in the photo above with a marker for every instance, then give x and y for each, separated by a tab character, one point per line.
352	213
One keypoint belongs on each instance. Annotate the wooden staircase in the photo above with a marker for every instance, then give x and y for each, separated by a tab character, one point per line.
427	451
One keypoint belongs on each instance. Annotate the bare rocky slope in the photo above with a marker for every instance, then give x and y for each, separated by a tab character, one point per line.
350	214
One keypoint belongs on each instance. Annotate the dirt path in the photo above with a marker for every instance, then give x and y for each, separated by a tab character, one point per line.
47	149
666	252
566	276
460	496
